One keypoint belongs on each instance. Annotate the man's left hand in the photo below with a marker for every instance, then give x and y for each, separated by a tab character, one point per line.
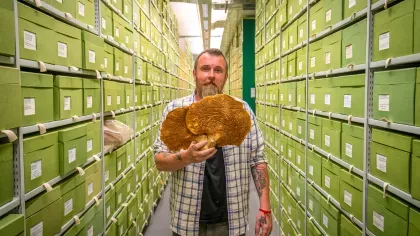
264	223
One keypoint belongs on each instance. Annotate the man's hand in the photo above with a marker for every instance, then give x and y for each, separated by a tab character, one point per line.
194	155
264	223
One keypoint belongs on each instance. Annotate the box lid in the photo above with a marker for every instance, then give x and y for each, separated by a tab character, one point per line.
349	226
395	140
38	142
110	194
302	19
320	83
416	147
415	217
315	46
314	193
92	38
390	202
349	81
6	152
11	224
291	56
68	82
36	80
71	183
93	126
333	38
92	168
71	133
331	124
358	28
331	166
395	12
330	208
67	30
9	75
109	49
91	83
356	131
351	179
403	76
122	217
35	16
121	150
41	201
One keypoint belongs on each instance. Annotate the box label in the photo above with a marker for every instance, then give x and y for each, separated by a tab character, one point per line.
90	231
347	197
281	97
90	188
281	172
68	206
311	205
89	101
381	163
121	229
38	229
290	126
311	170
347	100
103	22
118	100
81	9
384	41
298	159
126	69
117	31
313	62
291	39
301	33
106	175
349	150
291	9
128	99
349	51
282	71
299	129
325	220
327	140
92	56
290	181
298	191
119	166
125	8
108	211
128	187
29	106
290	153
328	15
300	66
129	158
29	41
281	148
384	102
311	134
62	49
105	62
290	97
89	145
119	198
72	155
117	66
289	209
135	98
327	181
313	26
327	99
352	3
298	97
328	58
108	100
290	68
67	103
312	98
281	17
378	221
60	1
36	169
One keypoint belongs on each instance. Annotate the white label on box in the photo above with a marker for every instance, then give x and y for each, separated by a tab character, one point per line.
117	32
108	100
106	175
103	22
327	181
311	134
349	51
328	15
38	229
290	97
126	8
67	103
281	17
60	1
327	99
118	100
328	58
89	145
68	206
300	2
90	231
36	169
300	66
127	41
281	172
290	181
284	44
384	41
129	158
119	166
325	220
298	191
381	163
290	153
62	49
347	197
131	216
291	39
313	62
349	150
81	9
290	68
72	155
347	100
378	221
301	33
312	98
298	159
281	148
92	56
291	10
28	106
282	71
137	177
125	69
90	188
128	187
313	25
299	129
311	170
281	97
290	126
108	211
352	3
135	98
119	198
105	62
384	102
117	66
298	224
89	101
289	210
29	40
128	99
327	140
311	205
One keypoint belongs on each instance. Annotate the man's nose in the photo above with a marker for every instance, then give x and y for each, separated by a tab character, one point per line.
211	74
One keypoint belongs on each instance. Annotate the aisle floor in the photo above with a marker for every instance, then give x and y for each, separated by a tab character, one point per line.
159	222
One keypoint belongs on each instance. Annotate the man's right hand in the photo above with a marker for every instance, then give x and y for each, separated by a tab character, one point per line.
194	155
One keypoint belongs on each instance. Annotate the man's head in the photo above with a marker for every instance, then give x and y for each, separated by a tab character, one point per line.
210	72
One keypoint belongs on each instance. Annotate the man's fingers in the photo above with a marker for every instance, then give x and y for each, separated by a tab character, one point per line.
206	152
199	145
265	230
257	228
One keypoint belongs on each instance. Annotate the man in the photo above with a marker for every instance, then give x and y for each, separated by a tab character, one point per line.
210	188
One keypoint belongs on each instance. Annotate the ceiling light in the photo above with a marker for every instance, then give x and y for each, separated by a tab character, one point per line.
205	10
206	24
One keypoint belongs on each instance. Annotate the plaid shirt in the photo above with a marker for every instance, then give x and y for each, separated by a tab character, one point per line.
186	184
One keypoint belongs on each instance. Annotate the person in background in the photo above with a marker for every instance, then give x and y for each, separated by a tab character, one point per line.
209	190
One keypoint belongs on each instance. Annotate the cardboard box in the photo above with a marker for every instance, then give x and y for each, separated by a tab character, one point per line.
6	173
128	66
315	56
332	46
112	230
386	216
120	95
317	18
301	62
37	98
40	153
331	137
11	104
118	62
315	130
122	226
132	211
110	204
73	196
353	46
302	34
130	185
415	165
291	64
331	178
330	218
69	45
283	171
390	158
348	228
7	29
333	12
110	168
106	19
351	194
417	28
93	51
91	96
12	224
110	95
129	99
118	28
300	157
85	11
93	180
393	31
36	35
108	61
128	9
351	7
95	224
315	167
351	94
68	97
293	34
72	147
414	226
93	138
352	145
312	229
121	158
394	95
314	204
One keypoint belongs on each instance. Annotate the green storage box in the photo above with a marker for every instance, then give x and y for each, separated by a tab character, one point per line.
128	66
6	173
315	57
317	18
331	178
386	216
351	94
93	50
68	97
302	33
128	9
417	27
330	218
414	226
332	44
315	167
314	203
106	19
130	184
85	11
69	45
333	12
94	221
352	145
353	46
328	96
132	211
351	7
93	138
301	66
7	29
315	130
118	28
10	103
312	229
12	224
108	62
415	165
331	136
112	230
73	196
72	148
122	226
129	100
394	95
390	158
293	34
110	204
348	228
351	194
93	175
41	159
291	64
121	158
110	95
91	96
300	157
110	168
37	98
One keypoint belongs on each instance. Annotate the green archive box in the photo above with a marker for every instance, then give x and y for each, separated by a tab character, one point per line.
41	159
91	96
333	12
283	171
94	221
351	194
417	27
110	168
120	96
36	35
12	224
112	230
132	210
330	218
72	148
300	220
68	97
283	71
69	45
414	226
7	28
85	11
37	98
331	178
291	64
106	19
315	130
315	57
93	175
331	48
390	158
415	165
347	228
301	62
118	4
109	204
300	123
118	28
39	211
315	167
118	62
6	173
331	136
300	157
328	96
121	158
129	102
128	66
131	158
293	34
386	216
394	95
10	103
350	7
302	34
110	95
317	18
108	59
301	94
312	229
93	138
353	45
73	196
285	40
93	51
351	94
122	226
352	145
128	9
393	31
314	203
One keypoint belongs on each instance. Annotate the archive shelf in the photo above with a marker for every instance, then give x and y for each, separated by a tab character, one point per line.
110	40
7	207
8	60
57	68
394	126
116	11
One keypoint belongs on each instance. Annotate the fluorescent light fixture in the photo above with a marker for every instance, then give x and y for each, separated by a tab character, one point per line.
206	24
205	10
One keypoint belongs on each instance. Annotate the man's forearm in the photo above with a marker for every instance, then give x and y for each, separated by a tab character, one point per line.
166	161
262	183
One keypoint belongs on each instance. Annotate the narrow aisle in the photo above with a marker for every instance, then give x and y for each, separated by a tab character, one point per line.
159	223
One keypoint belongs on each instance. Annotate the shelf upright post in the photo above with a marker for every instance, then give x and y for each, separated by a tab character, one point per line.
306	114
279	124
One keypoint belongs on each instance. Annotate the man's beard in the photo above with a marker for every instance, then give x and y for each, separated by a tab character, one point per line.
208	90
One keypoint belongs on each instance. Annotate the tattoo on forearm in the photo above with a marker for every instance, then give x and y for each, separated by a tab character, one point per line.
263	220
178	156
259	175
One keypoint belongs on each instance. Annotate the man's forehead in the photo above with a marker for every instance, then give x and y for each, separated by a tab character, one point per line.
208	59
